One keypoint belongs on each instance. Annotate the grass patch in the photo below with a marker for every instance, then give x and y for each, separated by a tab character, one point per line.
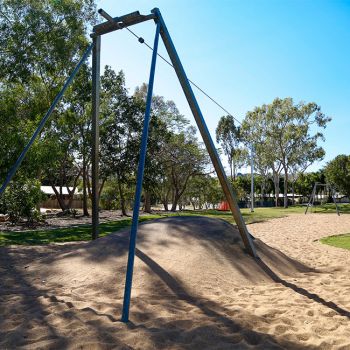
330	208
83	232
66	234
339	241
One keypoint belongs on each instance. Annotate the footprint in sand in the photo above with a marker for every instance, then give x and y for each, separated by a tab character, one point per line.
280	329
310	313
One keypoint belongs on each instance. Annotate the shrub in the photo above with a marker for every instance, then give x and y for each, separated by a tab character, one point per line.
21	199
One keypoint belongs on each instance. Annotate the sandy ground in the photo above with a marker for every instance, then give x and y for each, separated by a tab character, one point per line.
194	288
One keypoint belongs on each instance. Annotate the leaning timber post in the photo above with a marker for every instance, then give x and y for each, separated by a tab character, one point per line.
227	188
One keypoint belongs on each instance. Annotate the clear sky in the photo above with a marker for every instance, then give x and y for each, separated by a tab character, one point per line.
244	54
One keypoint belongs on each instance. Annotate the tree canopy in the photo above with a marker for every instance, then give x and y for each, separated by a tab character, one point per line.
286	137
337	173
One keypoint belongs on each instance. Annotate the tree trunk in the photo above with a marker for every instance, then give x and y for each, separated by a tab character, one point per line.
262	193
276	182
101	187
85	196
176	199
147	205
71	192
122	199
165	200
286	188
88	183
60	199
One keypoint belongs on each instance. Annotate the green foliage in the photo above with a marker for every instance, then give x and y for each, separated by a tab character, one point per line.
41	42
229	137
110	197
42	38
306	181
242	186
285	135
337	173
21	199
203	190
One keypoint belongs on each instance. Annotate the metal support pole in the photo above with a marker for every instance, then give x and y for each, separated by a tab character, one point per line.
58	97
191	99
96	53
333	196
140	171
252	179
311	200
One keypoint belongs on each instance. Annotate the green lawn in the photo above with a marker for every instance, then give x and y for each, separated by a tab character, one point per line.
330	208
67	234
83	232
340	241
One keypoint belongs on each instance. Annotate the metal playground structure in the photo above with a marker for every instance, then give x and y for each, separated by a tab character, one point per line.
113	24
329	189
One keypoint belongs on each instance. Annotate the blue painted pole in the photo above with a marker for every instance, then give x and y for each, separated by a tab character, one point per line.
13	170
140	171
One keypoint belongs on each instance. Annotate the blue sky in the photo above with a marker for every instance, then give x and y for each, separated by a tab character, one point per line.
244	54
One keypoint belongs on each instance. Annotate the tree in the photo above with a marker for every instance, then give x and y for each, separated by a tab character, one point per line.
337	173
213	192
183	159
255	133
40	42
164	118
290	125
43	39
228	135
305	182
21	199
287	131
121	120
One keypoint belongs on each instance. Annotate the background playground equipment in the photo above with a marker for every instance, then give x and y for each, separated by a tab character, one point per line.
113	24
329	190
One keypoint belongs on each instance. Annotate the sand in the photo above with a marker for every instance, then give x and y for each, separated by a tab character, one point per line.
194	288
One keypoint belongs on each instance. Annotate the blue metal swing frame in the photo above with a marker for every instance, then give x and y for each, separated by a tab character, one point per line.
110	25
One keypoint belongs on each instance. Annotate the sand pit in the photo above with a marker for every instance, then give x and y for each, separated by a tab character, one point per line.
194	288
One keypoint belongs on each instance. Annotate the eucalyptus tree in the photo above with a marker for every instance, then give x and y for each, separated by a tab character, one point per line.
255	133
166	122
287	133
120	129
185	158
292	126
43	39
229	137
41	42
78	105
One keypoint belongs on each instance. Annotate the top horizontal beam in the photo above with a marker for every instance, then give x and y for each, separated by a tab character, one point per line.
121	22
